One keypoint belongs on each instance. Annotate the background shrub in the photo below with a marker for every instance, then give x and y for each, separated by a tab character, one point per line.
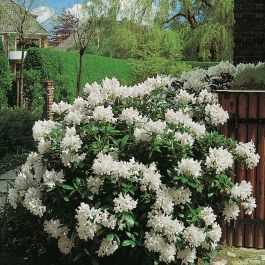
63	68
16	130
5	78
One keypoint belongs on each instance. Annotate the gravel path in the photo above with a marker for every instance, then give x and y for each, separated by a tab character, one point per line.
242	256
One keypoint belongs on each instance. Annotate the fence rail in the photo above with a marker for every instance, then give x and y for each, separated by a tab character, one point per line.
247	111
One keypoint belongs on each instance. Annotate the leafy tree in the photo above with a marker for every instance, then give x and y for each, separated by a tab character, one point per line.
206	26
5	78
63	28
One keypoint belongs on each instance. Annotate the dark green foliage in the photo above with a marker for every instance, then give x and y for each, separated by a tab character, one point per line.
33	92
197	64
23	241
63	68
16	130
12	160
5	78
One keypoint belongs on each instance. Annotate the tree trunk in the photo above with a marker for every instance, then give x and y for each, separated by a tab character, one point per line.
20	94
79	76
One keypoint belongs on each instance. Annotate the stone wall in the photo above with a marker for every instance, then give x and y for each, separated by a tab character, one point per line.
249	31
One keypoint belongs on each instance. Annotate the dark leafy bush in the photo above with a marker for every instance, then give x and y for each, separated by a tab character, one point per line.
16	130
5	78
22	240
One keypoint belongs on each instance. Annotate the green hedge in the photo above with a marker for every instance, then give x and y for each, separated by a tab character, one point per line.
197	64
16	130
63	68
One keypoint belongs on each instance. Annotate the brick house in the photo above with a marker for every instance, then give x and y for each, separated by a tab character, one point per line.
35	34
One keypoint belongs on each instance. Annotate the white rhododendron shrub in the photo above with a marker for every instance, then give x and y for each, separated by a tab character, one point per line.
136	174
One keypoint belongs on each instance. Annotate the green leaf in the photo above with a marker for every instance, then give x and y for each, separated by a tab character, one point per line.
68	187
66	199
110	237
126	243
129	219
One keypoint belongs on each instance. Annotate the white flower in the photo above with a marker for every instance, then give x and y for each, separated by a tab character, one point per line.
44	146
65	244
185	139
181	195
54	228
231	211
53	178
215	233
247	151
194	235
187	255
165	224
71	140
104	114
13	197
130	115
216	114
107	247
207	97
222	68
41	128
219	159
33	202
151	179
184	97
90	220
242	190
164	201
208	216
74	117
124	203
94	184
60	108
249	205
189	168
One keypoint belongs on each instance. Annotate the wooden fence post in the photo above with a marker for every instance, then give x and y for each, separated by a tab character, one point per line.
48	93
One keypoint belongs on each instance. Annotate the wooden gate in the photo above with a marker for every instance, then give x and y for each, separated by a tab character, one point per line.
247	122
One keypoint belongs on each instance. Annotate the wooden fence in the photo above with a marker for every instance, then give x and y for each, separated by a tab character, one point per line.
247	122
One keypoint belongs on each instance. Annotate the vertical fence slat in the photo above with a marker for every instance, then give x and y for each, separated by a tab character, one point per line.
251	174
242	109
232	100
259	231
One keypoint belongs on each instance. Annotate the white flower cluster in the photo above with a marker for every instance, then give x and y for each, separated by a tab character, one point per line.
33	203
148	129
216	114
208	216
70	145
247	152
53	178
219	159
124	203
189	168
185	139
107	248
243	192
112	89
180	118
90	220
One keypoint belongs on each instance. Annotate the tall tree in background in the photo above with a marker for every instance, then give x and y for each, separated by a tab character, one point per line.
64	27
89	18
18	14
207	25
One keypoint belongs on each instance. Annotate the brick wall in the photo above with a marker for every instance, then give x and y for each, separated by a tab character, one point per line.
48	93
249	31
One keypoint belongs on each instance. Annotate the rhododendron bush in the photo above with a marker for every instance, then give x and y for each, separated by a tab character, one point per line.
137	174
